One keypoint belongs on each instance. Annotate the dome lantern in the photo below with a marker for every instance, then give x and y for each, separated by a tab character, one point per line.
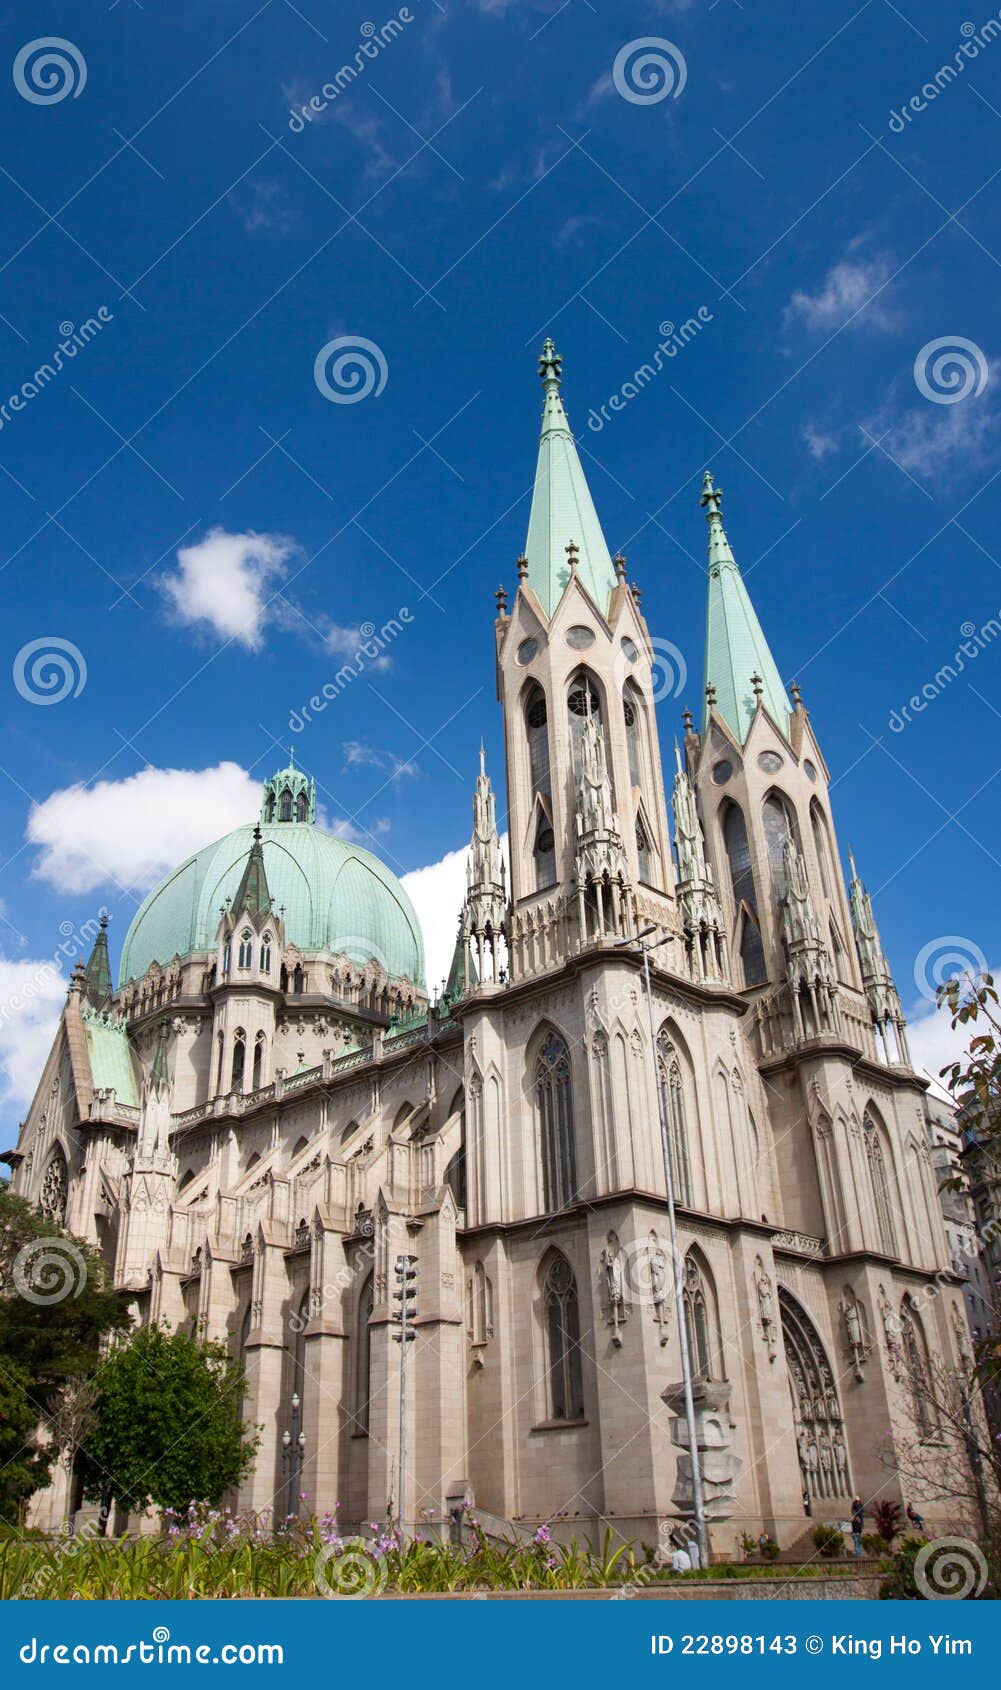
289	796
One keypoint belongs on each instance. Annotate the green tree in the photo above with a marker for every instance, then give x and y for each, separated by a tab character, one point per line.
56	1308
167	1426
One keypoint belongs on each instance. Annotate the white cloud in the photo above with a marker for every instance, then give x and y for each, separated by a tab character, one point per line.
222	583
31	999
854	288
437	893
931	439
358	755
128	833
934	1042
819	443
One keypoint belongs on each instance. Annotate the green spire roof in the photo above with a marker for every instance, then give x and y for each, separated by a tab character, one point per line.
97	974
562	509
739	664
252	896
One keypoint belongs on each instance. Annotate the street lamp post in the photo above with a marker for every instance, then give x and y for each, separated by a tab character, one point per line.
406	1275
698	1503
294	1454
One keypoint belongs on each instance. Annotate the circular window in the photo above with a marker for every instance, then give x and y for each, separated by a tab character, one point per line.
722	771
536	713
809	770
770	761
527	650
580	637
582	699
629	648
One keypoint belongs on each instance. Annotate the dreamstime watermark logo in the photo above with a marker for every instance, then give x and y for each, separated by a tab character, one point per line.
50	669
665	662
969	49
974	641
950	1569
951	369
48	1270
357	368
350	1568
48	70
673	341
371	647
373	42
949	957
73	340
648	70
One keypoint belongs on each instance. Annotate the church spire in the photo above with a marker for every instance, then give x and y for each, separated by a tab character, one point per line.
563	512
97	974
483	923
698	901
877	980
739	665
252	895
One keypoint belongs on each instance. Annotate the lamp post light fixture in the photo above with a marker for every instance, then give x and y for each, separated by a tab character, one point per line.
698	1504
405	1272
294	1455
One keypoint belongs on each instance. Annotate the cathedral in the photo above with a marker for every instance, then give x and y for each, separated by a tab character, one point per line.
267	1112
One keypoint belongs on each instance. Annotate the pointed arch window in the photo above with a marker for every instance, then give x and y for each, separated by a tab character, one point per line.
779	821
821	845
738	856
54	1194
643	852
227	956
302	807
537	732
545	855
673	1094
918	1363
266	954
245	955
298	980
880	1187
269	808
221	1064
705	1346
285	805
816	1407
839	955
239	1060
561	1315
363	1355
554	1096
259	1048
583	700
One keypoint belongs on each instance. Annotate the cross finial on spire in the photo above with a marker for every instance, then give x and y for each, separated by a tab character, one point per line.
483	760
712	497
291	756
550	365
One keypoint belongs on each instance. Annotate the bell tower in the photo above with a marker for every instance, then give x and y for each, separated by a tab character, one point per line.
590	850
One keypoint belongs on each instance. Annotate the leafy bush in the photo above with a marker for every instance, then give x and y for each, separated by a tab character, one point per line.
828	1540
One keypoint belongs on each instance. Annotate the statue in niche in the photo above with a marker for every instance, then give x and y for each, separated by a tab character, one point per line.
611	1264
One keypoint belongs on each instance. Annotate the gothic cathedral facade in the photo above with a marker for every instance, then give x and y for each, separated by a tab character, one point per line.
267	1112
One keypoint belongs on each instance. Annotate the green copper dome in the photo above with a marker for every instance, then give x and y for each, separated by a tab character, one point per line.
335	897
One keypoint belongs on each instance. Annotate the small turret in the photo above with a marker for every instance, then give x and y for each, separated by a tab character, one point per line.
877	979
698	900
483	927
97	988
289	796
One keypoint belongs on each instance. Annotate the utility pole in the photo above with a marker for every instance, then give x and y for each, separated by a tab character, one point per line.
406	1280
698	1504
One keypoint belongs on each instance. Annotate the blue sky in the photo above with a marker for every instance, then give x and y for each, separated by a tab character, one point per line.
481	181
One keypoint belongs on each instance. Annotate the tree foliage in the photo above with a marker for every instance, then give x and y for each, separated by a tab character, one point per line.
56	1308
167	1423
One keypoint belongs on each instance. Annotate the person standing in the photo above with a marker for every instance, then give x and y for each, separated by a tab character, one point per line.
858	1525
